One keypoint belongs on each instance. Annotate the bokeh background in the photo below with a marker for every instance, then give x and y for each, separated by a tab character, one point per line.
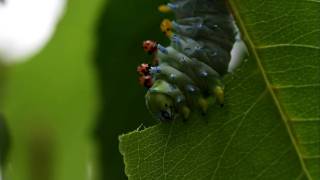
63	109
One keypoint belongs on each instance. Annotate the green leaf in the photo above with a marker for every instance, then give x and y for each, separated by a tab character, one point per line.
270	125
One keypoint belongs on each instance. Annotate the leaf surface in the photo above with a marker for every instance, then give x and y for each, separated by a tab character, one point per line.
270	125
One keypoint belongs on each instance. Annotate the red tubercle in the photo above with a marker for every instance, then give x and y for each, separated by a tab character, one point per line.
146	81
150	46
143	69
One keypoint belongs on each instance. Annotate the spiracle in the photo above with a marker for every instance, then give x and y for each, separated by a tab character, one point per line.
183	75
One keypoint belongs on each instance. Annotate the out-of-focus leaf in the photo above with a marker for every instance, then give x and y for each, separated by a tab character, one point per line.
270	125
51	102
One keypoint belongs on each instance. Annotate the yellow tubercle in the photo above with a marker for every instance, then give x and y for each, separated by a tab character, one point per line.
166	27
164	9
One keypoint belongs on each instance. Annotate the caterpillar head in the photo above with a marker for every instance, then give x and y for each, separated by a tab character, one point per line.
159	102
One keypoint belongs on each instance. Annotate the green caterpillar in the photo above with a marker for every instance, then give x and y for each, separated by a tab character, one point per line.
185	73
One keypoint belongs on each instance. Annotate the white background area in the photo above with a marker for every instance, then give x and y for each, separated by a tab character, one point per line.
26	26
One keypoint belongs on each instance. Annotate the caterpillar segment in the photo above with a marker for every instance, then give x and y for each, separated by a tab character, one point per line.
200	73
211	54
181	81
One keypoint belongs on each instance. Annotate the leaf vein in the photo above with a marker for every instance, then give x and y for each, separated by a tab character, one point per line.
235	132
284	116
287	45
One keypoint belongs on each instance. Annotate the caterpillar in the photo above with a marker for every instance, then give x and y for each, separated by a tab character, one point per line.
183	75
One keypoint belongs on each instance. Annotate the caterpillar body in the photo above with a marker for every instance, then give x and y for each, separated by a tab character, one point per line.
192	67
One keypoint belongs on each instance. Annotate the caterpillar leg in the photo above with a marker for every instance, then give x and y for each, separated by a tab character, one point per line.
185	112
203	104
219	93
164	8
166	27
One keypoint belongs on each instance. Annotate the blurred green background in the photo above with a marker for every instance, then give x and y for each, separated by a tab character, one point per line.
64	109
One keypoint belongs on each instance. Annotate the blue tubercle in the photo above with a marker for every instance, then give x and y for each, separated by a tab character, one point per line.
176	40
172	6
155	70
162	49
